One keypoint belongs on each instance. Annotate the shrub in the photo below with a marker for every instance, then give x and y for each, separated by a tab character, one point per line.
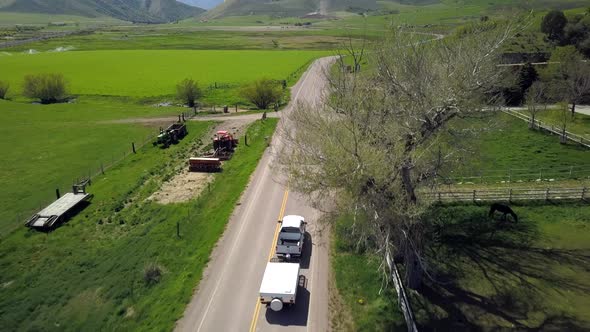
188	91
48	88
4	86
152	273
262	93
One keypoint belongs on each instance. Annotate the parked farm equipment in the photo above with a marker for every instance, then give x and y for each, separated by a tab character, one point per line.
204	164
171	135
224	145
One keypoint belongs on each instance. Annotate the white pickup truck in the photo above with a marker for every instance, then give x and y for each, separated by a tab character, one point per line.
291	237
279	285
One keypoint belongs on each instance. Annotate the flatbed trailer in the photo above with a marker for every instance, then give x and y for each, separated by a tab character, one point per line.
57	211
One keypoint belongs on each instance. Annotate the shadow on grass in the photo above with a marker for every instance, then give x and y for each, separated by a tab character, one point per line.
492	274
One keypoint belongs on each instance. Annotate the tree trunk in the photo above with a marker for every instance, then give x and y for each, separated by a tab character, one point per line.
408	185
573	109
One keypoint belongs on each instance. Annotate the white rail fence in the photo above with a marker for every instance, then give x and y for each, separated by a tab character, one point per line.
550	128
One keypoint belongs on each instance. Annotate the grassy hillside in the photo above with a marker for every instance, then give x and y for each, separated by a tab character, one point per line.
128	10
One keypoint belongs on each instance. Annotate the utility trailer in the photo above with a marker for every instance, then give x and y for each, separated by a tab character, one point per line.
204	164
58	211
279	285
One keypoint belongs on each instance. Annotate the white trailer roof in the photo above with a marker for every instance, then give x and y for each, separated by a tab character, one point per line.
280	278
292	221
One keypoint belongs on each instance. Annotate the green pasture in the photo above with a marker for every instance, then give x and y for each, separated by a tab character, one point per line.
530	275
89	273
48	146
500	142
152	73
578	123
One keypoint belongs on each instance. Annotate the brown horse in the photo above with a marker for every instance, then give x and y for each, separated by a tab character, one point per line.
503	208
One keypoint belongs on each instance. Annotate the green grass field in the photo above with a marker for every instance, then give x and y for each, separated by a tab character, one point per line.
578	124
152	73
47	146
505	142
527	275
89	274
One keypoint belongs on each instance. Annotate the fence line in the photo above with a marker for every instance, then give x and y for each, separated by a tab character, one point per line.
404	303
95	171
508	194
522	174
550	128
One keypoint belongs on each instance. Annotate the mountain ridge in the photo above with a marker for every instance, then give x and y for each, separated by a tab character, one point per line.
139	11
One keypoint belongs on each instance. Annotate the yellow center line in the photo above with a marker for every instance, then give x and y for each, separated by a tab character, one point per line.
270	255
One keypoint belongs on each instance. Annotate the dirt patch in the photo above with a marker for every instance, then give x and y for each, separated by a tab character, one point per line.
183	187
186	185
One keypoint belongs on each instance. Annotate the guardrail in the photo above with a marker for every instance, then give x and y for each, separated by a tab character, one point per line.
509	194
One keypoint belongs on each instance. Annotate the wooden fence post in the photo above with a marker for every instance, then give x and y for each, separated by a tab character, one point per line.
510	196
439	197
547	194
583	192
473	195
178	229
102	168
58	195
133	147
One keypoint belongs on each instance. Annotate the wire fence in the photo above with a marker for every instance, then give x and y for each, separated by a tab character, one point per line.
508	194
95	169
541	174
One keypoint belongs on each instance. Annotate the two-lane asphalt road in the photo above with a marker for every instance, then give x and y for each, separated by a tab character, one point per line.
227	297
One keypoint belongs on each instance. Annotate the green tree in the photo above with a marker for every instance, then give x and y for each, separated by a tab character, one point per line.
553	25
262	93
48	88
188	91
568	76
4	86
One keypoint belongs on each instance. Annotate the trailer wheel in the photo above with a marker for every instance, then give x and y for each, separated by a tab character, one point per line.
276	305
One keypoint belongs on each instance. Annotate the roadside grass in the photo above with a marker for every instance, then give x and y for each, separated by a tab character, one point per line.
497	143
48	146
357	278
155	72
527	275
89	274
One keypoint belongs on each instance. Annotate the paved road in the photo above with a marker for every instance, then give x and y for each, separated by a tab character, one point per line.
227	297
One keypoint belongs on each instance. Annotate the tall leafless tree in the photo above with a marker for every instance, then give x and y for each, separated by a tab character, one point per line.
375	143
535	100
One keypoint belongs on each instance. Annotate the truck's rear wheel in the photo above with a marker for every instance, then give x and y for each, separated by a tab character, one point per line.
276	305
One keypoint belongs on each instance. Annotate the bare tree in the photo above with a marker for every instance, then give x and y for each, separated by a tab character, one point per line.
376	142
535	101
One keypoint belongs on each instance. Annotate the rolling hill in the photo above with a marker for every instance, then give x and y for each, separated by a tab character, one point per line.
145	11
